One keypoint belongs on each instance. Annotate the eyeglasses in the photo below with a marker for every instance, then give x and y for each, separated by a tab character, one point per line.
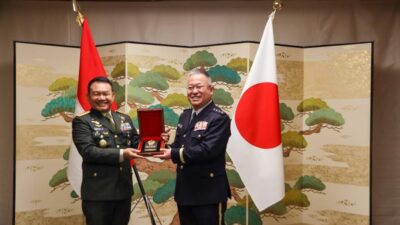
197	87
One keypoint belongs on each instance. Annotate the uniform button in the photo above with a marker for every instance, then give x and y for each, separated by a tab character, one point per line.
101	136
211	175
115	136
117	146
181	167
199	135
184	135
120	168
95	174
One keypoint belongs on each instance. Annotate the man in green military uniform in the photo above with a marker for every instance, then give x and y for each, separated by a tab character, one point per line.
106	140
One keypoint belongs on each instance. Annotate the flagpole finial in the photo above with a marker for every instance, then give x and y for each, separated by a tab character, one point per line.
77	9
277	5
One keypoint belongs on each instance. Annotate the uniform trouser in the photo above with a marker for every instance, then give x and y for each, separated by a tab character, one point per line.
116	212
202	214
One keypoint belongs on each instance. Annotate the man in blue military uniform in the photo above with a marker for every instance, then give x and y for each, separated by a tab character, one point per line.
202	187
106	141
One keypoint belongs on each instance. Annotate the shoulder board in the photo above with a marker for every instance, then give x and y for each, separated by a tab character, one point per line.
84	113
121	113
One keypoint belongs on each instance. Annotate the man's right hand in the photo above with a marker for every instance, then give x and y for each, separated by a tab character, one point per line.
131	153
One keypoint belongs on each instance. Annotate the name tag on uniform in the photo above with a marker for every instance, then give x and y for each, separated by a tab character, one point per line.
125	126
201	125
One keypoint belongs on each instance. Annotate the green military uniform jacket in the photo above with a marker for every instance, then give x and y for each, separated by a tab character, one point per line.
99	142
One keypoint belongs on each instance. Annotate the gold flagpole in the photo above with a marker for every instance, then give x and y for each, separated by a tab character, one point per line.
79	19
247	193
77	9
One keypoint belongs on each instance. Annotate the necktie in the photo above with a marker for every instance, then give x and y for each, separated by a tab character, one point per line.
109	117
193	116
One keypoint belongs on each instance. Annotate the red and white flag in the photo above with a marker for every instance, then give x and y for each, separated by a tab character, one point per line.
255	145
90	66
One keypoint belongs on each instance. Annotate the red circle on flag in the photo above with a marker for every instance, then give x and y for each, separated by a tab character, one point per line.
257	116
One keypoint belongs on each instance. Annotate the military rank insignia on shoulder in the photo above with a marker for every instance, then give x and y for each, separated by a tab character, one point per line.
218	111
123	116
121	113
84	113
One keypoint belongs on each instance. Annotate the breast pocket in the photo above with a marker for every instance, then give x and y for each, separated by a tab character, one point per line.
124	138
196	137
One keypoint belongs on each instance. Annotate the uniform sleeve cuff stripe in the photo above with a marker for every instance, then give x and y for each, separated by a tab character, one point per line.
181	155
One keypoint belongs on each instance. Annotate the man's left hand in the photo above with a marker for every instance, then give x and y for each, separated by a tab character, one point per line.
166	153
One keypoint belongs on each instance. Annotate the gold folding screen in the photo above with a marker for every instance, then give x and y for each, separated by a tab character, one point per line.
325	95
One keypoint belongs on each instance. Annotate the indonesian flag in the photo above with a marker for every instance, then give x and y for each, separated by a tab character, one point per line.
90	67
255	146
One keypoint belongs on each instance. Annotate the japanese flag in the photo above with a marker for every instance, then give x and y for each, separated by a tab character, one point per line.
255	145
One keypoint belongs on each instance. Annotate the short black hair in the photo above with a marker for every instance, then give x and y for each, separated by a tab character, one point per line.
101	79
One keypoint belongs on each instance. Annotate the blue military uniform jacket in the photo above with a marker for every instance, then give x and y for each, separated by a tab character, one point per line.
199	152
99	142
